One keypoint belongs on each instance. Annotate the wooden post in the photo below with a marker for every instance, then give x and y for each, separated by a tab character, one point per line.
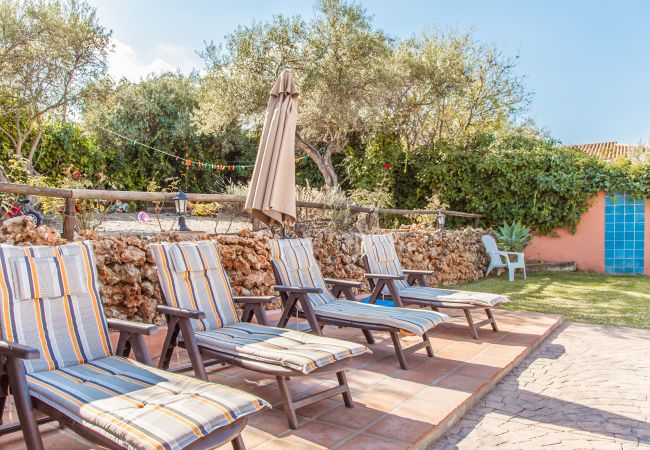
68	219
477	221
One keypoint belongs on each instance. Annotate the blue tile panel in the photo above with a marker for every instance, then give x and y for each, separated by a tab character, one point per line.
624	234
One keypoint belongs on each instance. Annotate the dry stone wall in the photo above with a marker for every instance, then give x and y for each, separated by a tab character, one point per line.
129	280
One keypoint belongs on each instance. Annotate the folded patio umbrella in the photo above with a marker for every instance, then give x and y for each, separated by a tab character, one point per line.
272	195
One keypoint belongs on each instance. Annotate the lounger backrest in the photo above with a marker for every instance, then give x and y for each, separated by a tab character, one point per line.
191	276
49	300
296	266
382	258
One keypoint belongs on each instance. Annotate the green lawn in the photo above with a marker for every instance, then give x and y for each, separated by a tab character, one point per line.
579	297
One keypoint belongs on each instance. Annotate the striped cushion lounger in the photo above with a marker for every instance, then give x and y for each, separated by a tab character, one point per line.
305	292
409	287
59	360
202	318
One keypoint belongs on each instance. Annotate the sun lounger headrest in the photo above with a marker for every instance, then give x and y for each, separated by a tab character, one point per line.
194	256
47	277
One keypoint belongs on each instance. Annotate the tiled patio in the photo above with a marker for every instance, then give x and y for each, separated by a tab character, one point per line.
395	409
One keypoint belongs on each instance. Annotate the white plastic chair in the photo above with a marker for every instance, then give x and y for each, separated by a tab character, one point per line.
501	259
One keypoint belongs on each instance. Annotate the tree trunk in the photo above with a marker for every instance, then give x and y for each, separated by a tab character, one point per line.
323	161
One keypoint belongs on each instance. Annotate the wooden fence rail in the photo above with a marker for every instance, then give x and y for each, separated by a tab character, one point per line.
71	195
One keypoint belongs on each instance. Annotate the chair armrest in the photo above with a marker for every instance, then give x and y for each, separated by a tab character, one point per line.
180	312
132	327
383	276
418	272
297	290
16	350
254	299
344	283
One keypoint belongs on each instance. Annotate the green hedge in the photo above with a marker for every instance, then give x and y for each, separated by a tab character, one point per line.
536	183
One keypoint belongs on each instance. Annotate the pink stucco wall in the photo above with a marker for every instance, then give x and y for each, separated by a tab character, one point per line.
586	246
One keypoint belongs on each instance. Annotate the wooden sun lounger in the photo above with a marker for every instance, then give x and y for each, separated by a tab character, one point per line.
296	303
178	321
417	277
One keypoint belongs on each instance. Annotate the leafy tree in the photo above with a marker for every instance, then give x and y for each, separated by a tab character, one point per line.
451	87
338	59
49	50
158	112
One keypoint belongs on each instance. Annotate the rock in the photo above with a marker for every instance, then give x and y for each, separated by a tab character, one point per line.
128	277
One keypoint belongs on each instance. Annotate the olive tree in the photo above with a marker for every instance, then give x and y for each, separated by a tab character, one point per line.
338	59
451	87
49	51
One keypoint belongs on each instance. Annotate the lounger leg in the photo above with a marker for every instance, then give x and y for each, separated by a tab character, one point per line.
347	396
169	344
398	350
4	393
368	335
470	322
425	338
488	311
123	345
193	349
289	410
238	443
140	349
23	402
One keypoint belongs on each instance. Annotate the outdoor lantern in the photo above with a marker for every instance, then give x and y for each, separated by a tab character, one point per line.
441	221
180	201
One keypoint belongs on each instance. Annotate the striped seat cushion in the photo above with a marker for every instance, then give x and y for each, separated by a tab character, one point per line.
414	321
296	266
139	407
49	300
382	257
291	349
450	296
191	276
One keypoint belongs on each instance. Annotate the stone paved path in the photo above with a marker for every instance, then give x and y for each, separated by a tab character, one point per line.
585	387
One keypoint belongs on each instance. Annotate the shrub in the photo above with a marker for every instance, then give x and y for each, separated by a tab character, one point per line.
514	237
527	180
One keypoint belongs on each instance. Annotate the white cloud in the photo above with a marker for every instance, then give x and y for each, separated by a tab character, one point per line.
125	61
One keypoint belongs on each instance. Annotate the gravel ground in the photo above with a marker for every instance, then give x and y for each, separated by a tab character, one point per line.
585	387
127	223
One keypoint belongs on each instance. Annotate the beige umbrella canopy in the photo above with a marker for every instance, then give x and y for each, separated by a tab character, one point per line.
272	195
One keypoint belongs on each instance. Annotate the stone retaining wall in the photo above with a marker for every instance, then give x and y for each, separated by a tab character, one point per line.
129	284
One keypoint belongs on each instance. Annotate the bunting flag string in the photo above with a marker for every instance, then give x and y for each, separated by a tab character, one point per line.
222	167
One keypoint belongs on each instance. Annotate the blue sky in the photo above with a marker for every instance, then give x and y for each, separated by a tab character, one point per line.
587	62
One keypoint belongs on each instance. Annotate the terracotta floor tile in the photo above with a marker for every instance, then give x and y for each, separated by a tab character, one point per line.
438	364
288	443
520	338
269	393
318	409
489	360
273	421
398	388
361	379
442	395
322	433
462	383
424	377
369	442
355	418
380	401
427	411
401	428
478	371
